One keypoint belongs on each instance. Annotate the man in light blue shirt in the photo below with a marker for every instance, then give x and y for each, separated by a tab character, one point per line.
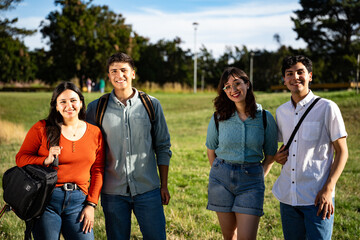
131	181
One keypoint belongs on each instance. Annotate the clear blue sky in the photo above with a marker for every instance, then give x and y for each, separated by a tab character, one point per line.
222	23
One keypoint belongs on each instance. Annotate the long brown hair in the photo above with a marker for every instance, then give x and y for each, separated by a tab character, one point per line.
54	120
224	107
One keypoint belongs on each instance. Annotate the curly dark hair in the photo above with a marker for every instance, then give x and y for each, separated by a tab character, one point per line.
54	120
290	61
224	107
120	57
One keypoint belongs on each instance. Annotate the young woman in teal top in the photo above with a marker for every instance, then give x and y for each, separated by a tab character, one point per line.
236	146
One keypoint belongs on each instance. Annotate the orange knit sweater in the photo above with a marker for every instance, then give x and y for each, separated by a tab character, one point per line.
81	162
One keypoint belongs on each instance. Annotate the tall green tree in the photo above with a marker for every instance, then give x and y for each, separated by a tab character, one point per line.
15	61
165	62
331	30
82	36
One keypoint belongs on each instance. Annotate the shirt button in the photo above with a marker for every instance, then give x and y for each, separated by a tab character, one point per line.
293	169
293	182
295	141
293	155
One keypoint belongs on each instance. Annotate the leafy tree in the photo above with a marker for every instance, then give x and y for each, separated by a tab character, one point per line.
165	62
82	37
15	62
208	66
332	30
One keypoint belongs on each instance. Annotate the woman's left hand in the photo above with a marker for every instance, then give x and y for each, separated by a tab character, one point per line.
87	217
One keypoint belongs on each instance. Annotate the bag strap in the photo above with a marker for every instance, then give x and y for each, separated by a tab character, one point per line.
28	227
100	109
299	123
146	101
6	208
263	118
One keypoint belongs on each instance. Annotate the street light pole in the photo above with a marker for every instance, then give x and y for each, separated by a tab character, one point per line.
195	24
357	74
251	68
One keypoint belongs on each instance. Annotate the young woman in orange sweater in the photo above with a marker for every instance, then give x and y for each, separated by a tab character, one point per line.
79	147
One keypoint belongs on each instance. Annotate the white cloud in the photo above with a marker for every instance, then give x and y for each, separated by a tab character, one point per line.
252	25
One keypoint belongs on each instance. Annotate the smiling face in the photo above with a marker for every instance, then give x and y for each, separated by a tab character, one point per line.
297	80
236	89
68	104
121	76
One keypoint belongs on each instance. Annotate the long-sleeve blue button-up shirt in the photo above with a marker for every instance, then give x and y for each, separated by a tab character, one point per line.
131	156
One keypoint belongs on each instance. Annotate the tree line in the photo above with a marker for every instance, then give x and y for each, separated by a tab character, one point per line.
83	35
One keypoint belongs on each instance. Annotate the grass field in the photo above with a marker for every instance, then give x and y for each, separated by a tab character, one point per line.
187	117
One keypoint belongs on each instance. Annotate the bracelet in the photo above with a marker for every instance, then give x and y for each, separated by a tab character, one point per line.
91	204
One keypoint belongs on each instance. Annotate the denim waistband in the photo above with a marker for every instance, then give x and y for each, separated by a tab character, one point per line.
236	163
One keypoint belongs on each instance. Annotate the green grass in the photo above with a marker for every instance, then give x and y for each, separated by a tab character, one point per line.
188	116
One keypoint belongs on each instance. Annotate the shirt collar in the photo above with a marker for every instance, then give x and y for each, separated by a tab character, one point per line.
305	101
130	101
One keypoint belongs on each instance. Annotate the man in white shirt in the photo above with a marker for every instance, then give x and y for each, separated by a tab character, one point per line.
306	185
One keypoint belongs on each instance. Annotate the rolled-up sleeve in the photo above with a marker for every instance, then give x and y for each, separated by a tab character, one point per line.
271	143
212	136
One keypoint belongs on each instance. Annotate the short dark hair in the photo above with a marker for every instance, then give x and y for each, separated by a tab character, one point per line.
290	61
120	57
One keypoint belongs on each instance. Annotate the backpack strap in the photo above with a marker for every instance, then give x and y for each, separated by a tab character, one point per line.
263	117
100	109
146	101
216	121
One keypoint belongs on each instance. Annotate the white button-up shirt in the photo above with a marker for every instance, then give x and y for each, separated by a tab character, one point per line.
311	152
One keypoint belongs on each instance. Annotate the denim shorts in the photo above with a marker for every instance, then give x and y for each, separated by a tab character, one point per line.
236	188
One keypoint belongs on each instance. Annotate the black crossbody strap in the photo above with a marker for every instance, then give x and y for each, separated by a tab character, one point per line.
299	123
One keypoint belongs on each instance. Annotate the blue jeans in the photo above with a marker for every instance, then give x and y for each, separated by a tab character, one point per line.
301	222
62	215
147	208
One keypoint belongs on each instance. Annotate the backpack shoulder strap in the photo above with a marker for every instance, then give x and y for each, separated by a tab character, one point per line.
100	109
145	99
264	119
216	121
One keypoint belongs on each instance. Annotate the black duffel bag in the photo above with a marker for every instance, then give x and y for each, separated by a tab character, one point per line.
27	190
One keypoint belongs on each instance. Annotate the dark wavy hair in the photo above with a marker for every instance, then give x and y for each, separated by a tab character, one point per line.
224	107
290	61
54	120
120	57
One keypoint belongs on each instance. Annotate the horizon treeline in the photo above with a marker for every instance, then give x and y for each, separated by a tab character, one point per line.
81	36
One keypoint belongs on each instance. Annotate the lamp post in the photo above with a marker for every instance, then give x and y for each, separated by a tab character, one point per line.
357	74
251	68
195	24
